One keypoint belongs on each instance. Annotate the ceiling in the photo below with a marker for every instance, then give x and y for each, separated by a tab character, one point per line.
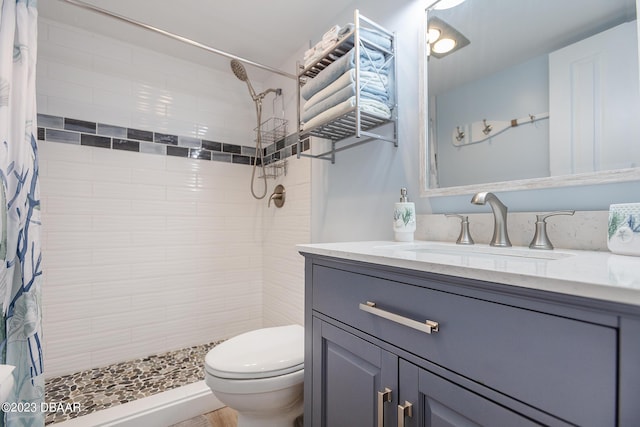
273	32
267	32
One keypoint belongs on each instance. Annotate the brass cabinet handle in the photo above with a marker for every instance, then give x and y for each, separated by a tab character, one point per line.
405	410
383	397
428	326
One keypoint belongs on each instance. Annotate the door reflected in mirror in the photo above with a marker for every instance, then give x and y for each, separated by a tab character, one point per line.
541	92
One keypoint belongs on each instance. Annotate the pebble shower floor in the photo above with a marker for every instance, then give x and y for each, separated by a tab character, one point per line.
102	388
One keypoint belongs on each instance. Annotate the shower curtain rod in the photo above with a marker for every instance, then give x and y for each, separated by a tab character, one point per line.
176	37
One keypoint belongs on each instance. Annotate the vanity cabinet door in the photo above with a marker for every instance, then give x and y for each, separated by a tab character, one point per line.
349	375
437	402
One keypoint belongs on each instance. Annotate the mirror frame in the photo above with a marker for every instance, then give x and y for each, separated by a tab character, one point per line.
591	178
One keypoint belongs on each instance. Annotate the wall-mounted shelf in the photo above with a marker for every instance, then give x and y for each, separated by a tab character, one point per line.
362	114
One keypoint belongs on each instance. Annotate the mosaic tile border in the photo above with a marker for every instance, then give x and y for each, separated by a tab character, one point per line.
102	388
94	134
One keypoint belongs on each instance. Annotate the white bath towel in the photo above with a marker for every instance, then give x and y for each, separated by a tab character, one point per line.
331	33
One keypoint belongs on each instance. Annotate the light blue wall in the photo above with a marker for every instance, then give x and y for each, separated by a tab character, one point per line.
509	94
353	198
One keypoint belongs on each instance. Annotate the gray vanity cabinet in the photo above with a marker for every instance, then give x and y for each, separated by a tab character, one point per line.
437	402
352	379
499	355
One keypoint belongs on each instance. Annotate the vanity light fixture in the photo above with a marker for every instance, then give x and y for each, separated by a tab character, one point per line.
448	39
447	4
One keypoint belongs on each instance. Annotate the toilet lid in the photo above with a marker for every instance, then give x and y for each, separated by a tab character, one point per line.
262	353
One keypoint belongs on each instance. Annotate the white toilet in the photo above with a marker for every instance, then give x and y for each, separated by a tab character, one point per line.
260	374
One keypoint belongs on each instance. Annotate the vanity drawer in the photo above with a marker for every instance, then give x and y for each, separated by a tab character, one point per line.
563	366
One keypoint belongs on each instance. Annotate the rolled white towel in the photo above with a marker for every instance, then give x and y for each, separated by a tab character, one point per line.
309	53
326	44
331	33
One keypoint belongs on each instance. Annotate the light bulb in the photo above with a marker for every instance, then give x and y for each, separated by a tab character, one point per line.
433	34
444	45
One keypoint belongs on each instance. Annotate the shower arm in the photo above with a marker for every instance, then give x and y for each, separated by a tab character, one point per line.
261	95
122	18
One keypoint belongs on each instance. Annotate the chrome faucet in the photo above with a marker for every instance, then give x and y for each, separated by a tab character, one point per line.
500	235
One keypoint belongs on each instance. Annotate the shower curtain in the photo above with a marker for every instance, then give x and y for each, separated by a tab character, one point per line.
20	258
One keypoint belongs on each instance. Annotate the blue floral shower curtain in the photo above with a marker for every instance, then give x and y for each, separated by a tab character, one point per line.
20	257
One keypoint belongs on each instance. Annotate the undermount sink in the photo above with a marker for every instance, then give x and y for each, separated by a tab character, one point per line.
478	251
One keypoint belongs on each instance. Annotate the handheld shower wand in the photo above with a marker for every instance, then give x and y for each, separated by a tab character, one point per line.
241	73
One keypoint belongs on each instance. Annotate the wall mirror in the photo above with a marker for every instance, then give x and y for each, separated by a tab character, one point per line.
534	94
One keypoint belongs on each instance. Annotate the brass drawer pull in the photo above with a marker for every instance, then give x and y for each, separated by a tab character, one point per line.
428	326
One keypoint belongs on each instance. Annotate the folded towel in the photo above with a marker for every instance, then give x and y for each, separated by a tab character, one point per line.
309	53
370	60
340	96
369	81
369	106
374	36
327	43
331	33
312	55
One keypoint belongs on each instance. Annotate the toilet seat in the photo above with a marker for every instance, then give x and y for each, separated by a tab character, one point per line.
263	353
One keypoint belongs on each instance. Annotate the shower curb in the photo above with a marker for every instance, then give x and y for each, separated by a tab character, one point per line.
160	410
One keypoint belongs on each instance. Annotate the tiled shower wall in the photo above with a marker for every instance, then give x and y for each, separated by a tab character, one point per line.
146	253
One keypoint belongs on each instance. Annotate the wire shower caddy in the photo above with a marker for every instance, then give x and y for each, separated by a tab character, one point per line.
271	131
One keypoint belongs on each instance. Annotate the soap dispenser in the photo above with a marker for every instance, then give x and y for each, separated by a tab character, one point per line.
404	218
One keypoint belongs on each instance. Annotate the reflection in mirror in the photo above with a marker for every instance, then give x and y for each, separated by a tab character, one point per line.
543	89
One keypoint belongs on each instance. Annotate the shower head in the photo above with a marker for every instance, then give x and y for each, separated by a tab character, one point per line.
241	73
239	70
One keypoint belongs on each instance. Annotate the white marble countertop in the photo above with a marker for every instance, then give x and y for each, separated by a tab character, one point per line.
599	275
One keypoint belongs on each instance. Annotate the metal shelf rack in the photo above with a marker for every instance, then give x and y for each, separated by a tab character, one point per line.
353	122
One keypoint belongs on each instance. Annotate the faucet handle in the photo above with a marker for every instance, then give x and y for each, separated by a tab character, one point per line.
541	239
465	236
278	196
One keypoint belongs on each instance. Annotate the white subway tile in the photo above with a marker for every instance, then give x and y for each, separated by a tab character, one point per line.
162	208
67	364
61	89
65	187
53	151
72	74
121	222
110	339
65	222
157	252
127	255
111	190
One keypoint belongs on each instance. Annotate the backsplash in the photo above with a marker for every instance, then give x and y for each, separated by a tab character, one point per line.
81	132
585	230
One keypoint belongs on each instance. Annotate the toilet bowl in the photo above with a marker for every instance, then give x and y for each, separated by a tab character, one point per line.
260	374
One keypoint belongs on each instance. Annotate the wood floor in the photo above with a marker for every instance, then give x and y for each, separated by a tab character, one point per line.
225	417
